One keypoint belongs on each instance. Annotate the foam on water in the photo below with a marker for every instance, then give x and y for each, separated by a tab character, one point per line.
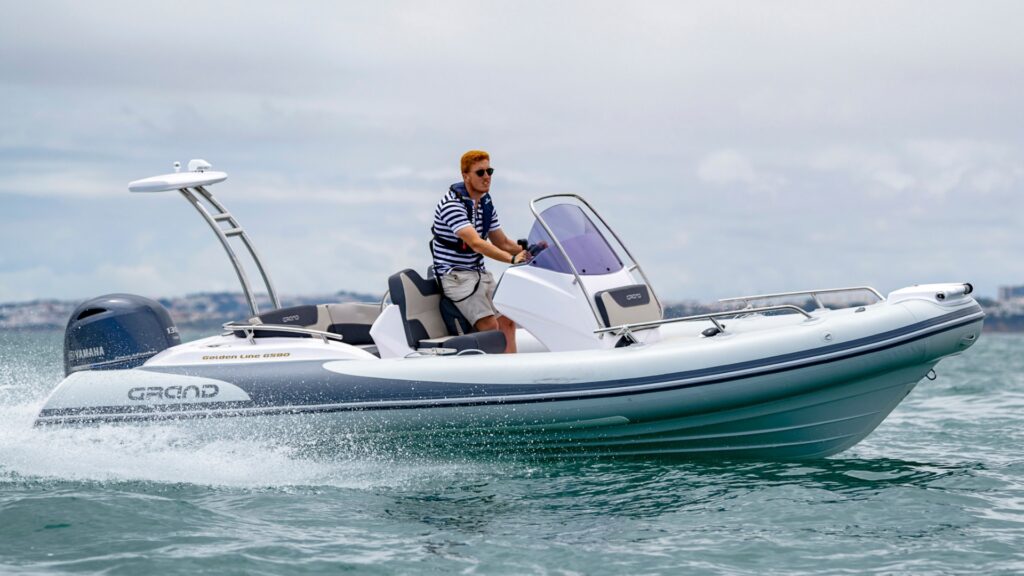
165	453
173	454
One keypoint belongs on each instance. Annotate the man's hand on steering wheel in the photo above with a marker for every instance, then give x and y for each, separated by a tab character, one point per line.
522	256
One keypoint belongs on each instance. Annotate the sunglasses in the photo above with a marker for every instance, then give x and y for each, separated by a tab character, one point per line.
483	171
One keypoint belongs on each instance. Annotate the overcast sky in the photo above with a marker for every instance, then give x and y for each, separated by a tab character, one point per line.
738	147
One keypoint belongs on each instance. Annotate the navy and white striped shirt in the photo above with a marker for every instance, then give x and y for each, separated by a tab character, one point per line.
450	217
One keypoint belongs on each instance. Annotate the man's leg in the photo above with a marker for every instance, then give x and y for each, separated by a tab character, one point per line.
507	327
486	323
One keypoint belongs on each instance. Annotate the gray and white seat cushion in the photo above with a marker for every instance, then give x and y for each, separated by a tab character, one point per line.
627	305
350	320
419	301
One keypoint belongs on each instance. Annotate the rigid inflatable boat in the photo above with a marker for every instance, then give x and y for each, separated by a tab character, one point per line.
600	371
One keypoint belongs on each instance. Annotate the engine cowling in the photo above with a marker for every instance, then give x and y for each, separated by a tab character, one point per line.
117	331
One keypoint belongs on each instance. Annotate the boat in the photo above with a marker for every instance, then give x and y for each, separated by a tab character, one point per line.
601	370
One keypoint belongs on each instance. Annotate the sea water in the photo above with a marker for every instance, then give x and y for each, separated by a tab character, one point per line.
938	488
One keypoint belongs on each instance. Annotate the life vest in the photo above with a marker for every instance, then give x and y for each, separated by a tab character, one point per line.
459	188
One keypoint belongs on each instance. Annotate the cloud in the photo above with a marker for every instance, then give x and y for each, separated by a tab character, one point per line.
79	183
726	167
30	283
736	147
730	167
932	168
403	172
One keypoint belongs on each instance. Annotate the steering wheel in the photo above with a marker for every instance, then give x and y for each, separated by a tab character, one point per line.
533	249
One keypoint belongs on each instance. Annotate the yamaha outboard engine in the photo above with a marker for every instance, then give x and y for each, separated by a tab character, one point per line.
117	331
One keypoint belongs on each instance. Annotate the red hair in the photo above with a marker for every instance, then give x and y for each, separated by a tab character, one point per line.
472	157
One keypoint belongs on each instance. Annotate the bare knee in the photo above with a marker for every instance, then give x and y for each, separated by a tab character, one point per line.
507	327
486	323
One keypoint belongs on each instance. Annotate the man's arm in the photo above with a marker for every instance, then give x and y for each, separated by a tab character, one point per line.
481	246
499	239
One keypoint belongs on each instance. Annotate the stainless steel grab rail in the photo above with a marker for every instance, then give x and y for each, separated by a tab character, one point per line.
634	265
250	329
812	293
712	316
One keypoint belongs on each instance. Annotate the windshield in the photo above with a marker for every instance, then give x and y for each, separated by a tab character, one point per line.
583	242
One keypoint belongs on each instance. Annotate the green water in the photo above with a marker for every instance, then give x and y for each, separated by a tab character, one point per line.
937	489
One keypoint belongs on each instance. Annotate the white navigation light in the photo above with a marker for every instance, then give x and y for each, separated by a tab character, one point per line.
198	165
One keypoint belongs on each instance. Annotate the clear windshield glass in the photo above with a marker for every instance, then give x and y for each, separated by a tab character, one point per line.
587	248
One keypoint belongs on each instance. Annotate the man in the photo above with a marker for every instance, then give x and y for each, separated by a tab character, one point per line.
466	228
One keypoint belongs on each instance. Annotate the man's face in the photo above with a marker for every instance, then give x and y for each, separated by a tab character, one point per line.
478	179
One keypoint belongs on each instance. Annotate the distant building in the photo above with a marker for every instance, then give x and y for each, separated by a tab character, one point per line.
1007	293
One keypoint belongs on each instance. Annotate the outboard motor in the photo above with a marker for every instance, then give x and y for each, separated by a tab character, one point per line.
117	331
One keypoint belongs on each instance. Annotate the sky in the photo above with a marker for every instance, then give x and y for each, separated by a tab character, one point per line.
736	147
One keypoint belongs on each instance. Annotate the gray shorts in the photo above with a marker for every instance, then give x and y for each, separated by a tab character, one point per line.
458	284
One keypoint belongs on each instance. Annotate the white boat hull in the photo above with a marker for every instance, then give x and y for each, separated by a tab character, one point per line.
764	393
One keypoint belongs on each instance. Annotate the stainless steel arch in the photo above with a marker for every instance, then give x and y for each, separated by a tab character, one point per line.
195	195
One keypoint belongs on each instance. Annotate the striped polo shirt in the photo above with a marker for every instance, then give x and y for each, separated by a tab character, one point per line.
450	217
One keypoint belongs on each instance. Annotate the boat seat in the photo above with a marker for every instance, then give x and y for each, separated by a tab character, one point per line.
627	305
454	321
419	302
491	341
350	320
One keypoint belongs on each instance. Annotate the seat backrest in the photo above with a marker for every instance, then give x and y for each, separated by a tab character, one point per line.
454	321
302	316
627	305
353	320
419	302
